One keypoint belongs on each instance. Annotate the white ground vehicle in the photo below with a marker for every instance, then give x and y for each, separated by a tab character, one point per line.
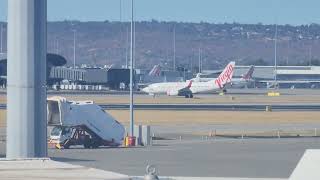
82	123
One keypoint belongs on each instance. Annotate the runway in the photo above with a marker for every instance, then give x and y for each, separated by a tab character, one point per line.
212	107
251	91
216	107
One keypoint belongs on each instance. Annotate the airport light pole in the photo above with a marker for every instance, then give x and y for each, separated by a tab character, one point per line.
200	63
310	46
127	43
120	6
26	94
121	36
56	45
174	48
134	43
1	37
74	48
131	76
275	54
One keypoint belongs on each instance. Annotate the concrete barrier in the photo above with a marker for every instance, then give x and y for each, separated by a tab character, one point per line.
146	135
138	134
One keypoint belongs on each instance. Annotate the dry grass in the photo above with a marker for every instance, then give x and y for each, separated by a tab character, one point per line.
3	99
157	117
260	134
3	118
121	99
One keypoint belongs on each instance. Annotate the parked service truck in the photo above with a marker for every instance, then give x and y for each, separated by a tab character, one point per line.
82	123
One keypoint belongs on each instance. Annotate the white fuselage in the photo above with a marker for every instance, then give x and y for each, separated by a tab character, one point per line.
235	83
197	87
191	87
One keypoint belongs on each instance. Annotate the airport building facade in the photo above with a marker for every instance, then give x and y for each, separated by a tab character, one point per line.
286	76
111	78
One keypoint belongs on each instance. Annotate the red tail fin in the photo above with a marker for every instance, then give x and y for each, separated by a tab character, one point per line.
156	70
248	75
226	75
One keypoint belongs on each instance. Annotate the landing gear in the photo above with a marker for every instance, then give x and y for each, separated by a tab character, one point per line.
188	96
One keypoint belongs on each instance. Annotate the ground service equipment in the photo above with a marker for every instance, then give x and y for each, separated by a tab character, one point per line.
82	123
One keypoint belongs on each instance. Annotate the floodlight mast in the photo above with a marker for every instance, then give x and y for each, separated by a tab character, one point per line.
131	75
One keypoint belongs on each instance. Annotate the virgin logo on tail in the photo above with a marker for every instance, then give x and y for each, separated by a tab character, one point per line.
226	75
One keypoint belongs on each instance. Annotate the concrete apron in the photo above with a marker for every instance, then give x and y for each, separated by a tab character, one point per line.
36	169
44	168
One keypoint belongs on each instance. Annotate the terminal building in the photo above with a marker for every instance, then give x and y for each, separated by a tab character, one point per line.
286	76
111	78
61	77
264	76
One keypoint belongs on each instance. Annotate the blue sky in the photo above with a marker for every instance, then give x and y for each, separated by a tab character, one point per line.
217	11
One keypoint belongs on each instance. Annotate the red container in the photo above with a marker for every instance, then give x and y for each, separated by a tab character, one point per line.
131	141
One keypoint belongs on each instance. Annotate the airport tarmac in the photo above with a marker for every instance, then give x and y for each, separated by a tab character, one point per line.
213	158
197	154
211	107
237	96
215	107
254	158
306	91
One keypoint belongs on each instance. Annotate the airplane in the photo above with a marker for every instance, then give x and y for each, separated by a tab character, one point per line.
189	88
236	82
244	81
153	75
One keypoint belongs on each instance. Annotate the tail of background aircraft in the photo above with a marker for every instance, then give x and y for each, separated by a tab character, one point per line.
198	75
197	78
155	71
226	76
249	73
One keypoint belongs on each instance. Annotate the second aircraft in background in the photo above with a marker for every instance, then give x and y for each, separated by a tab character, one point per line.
241	82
